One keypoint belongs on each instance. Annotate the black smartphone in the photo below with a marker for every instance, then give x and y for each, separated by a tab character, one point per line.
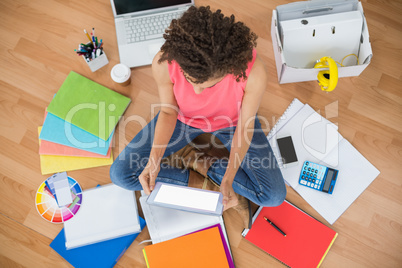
287	150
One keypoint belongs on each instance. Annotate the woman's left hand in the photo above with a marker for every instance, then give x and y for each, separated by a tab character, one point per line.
229	196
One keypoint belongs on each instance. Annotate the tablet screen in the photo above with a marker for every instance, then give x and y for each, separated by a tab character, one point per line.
187	197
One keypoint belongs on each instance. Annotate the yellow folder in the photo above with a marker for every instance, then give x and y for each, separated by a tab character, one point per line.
56	163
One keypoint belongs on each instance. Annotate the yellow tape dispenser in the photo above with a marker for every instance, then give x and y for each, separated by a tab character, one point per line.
329	78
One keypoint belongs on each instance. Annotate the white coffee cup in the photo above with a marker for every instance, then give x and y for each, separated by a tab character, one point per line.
121	74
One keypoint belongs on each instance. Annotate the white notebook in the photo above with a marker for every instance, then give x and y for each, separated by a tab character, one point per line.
167	223
317	140
106	212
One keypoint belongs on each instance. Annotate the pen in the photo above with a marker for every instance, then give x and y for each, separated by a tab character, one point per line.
93	41
86	45
276	227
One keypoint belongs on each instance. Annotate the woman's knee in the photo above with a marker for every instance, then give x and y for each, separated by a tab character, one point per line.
115	173
121	176
120	170
272	198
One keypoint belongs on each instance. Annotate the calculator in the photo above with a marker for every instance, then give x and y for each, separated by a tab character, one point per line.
318	177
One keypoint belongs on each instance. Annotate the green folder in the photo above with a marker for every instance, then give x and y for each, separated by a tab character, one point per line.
88	105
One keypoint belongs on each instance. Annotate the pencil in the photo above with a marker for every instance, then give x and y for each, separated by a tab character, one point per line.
85	31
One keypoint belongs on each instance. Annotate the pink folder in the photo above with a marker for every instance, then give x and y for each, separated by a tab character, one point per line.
51	148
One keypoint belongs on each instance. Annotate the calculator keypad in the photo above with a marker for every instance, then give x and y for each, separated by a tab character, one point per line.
312	175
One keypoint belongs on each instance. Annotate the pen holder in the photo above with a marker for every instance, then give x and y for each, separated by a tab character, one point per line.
98	62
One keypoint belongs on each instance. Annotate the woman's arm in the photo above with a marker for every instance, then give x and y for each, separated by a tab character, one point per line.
256	85
164	126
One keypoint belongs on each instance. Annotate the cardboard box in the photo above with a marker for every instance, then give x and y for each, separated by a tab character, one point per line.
290	74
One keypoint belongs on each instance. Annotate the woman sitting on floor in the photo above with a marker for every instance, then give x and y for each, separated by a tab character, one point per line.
210	80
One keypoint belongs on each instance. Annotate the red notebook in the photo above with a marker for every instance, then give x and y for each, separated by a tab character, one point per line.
307	240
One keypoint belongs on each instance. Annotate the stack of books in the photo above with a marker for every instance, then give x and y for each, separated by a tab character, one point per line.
79	124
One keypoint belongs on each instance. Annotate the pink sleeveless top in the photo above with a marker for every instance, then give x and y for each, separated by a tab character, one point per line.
214	108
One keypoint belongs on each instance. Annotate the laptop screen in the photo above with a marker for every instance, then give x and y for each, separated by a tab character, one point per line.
129	6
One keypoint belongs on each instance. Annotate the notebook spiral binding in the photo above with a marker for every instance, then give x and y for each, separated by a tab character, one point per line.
290	111
284	117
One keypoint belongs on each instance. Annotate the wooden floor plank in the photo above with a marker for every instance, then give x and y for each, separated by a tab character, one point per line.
25	247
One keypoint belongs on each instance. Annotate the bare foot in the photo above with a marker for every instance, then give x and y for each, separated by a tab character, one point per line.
233	202
198	161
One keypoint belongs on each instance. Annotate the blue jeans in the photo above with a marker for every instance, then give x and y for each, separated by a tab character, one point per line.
258	178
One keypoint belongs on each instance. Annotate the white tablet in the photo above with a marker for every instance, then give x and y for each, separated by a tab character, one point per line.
186	198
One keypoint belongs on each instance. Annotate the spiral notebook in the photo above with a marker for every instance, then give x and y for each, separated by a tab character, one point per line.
291	111
316	139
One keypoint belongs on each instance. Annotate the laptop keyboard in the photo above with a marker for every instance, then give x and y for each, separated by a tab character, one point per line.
148	28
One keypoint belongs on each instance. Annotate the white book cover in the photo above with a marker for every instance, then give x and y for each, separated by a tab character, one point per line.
106	212
317	140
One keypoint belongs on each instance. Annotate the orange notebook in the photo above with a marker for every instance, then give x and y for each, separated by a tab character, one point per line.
307	240
196	250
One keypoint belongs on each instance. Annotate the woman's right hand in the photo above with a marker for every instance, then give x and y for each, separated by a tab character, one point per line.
148	175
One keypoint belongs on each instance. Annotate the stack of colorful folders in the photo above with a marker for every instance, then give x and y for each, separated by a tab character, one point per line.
79	125
204	248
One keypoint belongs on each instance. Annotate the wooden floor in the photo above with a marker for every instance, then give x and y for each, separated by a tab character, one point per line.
37	42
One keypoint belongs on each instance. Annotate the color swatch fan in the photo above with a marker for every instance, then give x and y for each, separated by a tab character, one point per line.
47	206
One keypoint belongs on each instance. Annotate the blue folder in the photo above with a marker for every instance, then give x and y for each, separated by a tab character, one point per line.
102	254
57	130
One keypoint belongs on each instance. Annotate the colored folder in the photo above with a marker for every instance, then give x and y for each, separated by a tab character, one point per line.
55	163
59	131
51	148
197	250
225	245
102	254
307	240
88	105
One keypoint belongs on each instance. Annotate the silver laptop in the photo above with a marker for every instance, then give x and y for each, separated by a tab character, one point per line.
140	25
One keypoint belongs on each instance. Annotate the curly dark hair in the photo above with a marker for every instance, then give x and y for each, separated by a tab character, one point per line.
209	45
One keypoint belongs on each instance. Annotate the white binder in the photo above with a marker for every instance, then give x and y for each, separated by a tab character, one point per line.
106	212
